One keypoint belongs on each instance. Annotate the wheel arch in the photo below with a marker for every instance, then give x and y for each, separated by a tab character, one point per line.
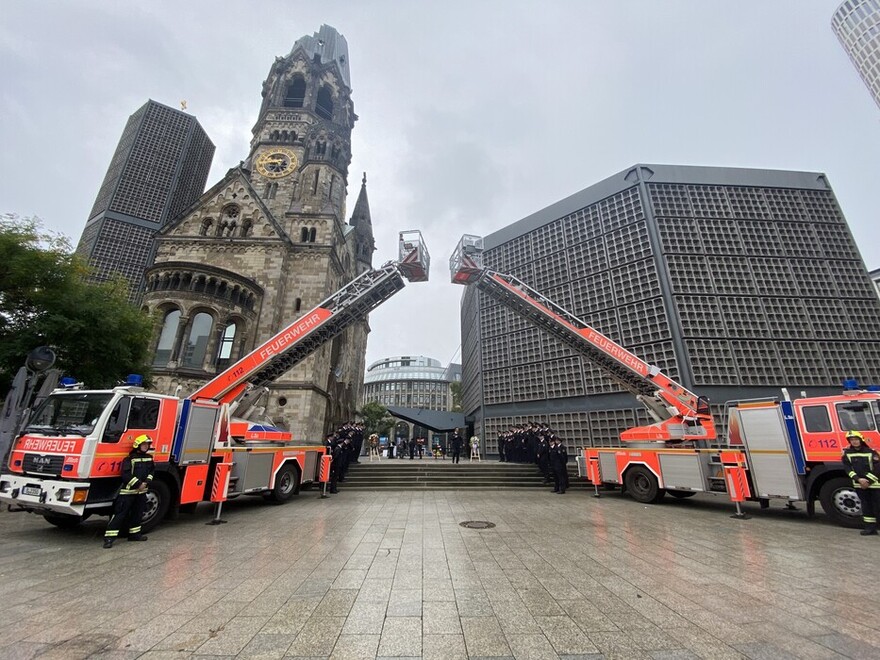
630	466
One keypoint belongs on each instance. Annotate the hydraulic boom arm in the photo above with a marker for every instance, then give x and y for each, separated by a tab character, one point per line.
680	415
352	303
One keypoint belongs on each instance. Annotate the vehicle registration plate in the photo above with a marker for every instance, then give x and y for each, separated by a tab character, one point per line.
31	490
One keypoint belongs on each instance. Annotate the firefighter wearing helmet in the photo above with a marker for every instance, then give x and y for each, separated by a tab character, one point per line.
128	509
863	465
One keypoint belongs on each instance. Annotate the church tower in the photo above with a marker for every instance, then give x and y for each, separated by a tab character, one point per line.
269	242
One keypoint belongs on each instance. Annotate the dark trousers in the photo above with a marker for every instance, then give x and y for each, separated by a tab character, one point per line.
870	499
128	510
560	480
456	455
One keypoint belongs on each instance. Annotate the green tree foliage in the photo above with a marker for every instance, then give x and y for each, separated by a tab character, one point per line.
97	335
455	388
376	419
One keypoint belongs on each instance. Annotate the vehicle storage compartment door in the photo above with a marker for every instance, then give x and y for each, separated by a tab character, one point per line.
765	440
683	471
195	439
608	466
258	472
310	470
194	484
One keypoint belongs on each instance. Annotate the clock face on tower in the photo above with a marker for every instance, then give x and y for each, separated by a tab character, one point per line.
276	163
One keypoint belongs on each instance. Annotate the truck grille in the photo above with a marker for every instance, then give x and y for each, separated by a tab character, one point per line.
43	464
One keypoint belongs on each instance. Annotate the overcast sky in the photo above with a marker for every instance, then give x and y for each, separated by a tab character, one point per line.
472	114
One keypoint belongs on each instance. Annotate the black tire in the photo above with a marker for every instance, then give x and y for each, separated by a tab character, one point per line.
681	494
642	485
156	507
840	502
286	485
63	520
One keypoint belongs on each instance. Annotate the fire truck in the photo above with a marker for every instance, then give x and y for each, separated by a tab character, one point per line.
66	463
775	449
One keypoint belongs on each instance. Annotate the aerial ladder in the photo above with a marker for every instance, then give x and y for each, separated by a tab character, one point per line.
776	448
66	463
680	416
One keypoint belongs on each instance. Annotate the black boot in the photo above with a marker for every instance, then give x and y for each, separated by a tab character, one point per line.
137	537
108	543
871	531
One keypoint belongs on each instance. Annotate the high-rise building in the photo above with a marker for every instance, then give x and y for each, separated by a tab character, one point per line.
267	243
734	282
857	25
159	168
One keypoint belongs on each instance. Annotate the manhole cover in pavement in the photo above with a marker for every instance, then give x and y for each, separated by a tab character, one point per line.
477	524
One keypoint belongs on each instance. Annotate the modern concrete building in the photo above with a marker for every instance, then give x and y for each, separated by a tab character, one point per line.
734	282
411	382
159	168
857	25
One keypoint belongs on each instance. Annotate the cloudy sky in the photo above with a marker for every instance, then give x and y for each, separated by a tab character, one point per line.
472	114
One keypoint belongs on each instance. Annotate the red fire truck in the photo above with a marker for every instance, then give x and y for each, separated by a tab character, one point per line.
775	449
66	463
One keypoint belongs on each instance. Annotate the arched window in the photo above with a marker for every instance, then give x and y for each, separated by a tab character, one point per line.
304	235
295	94
197	343
324	106
312	235
166	338
224	351
297	305
248	224
206	226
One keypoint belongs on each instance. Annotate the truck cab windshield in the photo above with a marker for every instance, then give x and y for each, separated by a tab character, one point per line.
69	413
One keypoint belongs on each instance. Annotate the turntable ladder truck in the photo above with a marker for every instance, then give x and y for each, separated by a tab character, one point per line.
66	463
776	449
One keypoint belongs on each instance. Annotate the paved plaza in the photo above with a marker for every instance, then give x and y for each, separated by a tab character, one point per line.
393	574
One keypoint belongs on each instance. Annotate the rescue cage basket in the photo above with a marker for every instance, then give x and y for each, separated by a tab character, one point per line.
413	259
466	262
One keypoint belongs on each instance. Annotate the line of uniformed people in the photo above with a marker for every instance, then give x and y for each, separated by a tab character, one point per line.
539	444
343	446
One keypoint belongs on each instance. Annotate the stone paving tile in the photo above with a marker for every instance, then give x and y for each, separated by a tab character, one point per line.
268	646
483	637
355	647
317	637
667	582
440	618
531	647
443	647
401	636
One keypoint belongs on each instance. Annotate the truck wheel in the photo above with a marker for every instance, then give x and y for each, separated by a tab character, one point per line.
286	485
681	494
840	502
158	501
642	485
62	520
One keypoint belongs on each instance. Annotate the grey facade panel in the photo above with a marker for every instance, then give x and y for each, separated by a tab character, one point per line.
733	282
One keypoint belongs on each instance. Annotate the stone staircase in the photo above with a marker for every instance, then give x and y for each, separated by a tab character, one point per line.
439	474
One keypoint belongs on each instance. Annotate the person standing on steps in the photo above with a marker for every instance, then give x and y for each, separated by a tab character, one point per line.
128	509
456	442
559	465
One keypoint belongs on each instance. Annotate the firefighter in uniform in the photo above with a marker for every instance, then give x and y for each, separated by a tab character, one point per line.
128	509
864	470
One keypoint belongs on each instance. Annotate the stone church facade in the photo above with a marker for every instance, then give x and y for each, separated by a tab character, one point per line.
269	242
